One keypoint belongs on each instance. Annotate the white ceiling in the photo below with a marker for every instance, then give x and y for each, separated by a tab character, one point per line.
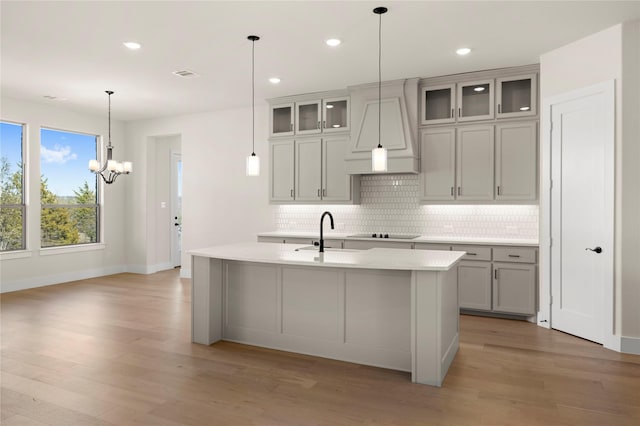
74	50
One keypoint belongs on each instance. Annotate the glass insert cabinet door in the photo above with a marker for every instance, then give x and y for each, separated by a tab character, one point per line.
438	104
516	96
281	119
475	100
336	115
308	117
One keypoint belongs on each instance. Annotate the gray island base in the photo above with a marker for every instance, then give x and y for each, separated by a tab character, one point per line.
390	308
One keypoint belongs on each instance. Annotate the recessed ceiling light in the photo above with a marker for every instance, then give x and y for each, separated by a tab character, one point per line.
463	51
333	42
132	45
479	89
274	80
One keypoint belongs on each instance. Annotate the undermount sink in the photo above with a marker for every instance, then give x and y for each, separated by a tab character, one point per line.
326	249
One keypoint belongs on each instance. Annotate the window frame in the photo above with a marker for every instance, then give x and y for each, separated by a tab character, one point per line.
22	251
77	247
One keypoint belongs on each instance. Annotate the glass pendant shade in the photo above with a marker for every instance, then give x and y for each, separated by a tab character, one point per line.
379	159
253	165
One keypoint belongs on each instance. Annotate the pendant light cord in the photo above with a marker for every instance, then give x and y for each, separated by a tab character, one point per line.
109	92
379	80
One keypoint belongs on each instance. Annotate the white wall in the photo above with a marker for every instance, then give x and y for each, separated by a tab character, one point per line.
595	59
220	204
37	268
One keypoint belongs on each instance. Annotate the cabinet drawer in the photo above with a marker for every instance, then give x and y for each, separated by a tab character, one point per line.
515	254
366	245
427	246
270	239
474	252
329	243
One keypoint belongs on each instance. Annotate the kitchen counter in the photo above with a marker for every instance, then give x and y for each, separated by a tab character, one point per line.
329	234
392	308
295	254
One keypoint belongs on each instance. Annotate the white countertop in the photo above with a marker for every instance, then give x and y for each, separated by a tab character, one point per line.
329	234
376	258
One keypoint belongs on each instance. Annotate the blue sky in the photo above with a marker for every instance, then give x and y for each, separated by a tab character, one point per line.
64	156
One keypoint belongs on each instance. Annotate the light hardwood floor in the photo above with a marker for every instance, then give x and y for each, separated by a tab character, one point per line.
116	351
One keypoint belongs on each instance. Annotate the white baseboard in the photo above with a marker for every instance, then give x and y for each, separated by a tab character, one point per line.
45	280
185	273
149	269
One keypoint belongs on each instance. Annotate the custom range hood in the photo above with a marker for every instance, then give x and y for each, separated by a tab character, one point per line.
398	126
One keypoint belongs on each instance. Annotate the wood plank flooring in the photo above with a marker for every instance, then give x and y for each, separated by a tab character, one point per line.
116	351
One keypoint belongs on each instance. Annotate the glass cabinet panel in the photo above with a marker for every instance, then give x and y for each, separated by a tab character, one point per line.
517	96
475	100
282	120
438	104
336	115
308	117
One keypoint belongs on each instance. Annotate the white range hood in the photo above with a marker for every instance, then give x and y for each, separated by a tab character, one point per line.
398	126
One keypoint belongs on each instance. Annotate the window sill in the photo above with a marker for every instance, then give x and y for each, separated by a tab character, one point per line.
50	251
18	254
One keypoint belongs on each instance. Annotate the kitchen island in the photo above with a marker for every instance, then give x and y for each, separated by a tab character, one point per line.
391	308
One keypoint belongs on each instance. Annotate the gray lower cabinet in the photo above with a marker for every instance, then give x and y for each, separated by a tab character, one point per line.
366	245
514	288
495	279
474	285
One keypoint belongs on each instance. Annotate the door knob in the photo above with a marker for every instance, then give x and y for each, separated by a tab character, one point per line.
597	249
176	224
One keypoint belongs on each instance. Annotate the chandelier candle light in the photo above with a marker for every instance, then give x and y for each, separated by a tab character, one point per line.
253	161
111	168
379	154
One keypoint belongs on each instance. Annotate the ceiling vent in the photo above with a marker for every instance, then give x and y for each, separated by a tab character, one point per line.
186	74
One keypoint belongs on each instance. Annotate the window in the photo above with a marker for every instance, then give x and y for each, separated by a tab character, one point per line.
68	191
12	205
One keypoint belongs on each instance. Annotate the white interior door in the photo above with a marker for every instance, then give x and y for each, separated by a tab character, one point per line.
582	143
176	209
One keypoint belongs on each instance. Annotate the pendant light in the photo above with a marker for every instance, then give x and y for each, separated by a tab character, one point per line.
253	161
111	168
379	154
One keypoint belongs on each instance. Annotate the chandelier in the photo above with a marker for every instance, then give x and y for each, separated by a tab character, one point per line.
111	168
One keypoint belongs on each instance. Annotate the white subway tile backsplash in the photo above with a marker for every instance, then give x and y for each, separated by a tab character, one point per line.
389	203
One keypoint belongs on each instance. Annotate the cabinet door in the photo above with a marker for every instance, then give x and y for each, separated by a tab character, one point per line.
475	163
307	169
474	285
438	164
514	288
516	96
336	115
336	183
308	117
281	171
438	104
516	161
281	119
475	100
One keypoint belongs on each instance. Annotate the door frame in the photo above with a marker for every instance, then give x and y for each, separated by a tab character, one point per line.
176	255
607	88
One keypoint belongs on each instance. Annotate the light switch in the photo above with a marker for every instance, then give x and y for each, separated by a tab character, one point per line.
163	204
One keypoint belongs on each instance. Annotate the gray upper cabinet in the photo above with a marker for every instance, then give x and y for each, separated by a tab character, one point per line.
475	100
474	160
336	182
516	96
281	171
308	177
438	104
308	116
516	161
281	119
438	163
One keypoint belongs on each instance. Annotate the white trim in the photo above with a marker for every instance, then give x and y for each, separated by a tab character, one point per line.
185	273
50	251
149	269
42	281
17	254
608	88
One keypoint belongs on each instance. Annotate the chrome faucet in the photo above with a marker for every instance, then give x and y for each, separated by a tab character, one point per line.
321	235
